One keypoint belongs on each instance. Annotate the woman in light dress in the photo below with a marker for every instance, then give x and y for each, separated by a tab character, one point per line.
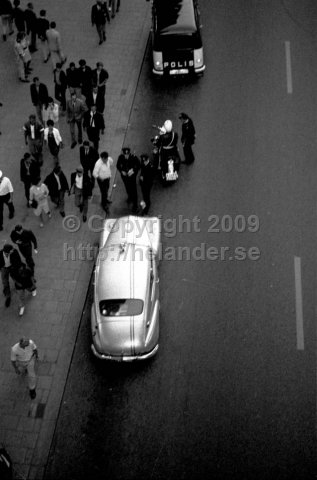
39	200
51	112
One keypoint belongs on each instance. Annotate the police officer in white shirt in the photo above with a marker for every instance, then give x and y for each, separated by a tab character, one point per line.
6	197
23	355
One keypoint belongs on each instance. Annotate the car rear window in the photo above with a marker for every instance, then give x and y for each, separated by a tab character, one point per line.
121	307
178	41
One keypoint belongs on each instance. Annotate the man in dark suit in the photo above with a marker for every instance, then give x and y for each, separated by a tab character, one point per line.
26	241
94	124
34	135
10	261
85	77
75	109
57	185
19	17
73	79
29	172
128	165
39	96
100	77
99	15
60	82
42	26
96	98
31	25
88	158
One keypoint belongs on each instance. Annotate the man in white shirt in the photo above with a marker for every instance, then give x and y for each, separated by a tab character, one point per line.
23	355
6	197
102	172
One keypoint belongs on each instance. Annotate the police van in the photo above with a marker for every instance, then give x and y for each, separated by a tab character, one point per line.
176	38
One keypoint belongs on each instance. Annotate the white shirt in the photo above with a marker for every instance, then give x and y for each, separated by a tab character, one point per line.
102	170
57	135
22	354
32	131
79	181
58	181
5	186
7	261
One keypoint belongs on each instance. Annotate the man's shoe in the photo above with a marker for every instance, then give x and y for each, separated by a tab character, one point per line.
1	228
101	41
4	37
21	311
73	145
84	218
34	293
32	393
81	207
7	302
46	60
62	214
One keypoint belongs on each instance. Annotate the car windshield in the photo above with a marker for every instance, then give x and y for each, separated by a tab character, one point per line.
177	41
121	307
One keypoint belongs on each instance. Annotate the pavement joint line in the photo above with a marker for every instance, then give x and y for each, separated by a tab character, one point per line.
299	304
289	81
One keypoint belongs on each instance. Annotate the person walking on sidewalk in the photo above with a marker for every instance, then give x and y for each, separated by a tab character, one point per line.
25	240
100	78
6	197
146	181
29	171
188	137
54	45
39	201
39	96
51	112
81	186
42	26
23	356
24	282
102	172
84	73
73	81
6	12
23	56
75	110
128	165
33	135
60	82
31	25
57	185
53	139
94	124
19	17
114	7
96	98
9	260
99	16
88	158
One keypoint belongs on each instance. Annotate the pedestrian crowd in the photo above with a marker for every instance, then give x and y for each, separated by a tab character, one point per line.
79	97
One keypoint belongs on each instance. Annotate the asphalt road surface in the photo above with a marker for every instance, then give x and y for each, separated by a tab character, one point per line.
232	391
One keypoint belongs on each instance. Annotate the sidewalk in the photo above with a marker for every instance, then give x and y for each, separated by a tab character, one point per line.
51	319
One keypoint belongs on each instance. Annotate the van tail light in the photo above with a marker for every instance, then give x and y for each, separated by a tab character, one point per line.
198	58
158	61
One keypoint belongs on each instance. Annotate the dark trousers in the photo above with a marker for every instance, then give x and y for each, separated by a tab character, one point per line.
130	186
27	186
146	188
101	29
26	251
5	199
104	187
60	95
188	152
72	130
93	136
5	275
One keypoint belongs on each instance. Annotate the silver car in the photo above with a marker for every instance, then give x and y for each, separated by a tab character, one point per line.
125	312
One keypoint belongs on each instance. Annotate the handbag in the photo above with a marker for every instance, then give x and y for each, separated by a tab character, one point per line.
34	203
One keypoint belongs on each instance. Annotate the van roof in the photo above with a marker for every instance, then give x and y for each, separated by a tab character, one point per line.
175	16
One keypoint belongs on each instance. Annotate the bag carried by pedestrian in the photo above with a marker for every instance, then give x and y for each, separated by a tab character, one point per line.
34	203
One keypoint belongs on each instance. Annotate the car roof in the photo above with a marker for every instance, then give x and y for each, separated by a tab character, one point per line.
175	16
123	271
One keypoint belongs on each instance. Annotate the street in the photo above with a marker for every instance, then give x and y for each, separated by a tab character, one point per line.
232	391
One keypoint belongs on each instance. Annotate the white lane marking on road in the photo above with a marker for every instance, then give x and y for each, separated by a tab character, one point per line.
289	81
299	304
